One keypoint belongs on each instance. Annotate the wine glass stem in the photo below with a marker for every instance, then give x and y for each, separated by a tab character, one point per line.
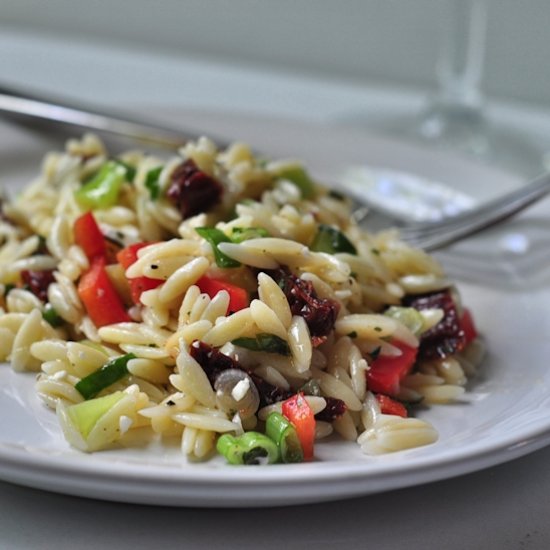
460	66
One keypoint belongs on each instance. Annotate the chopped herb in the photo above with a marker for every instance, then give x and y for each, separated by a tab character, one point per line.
375	251
8	288
215	237
152	182
170	403
378	329
264	342
353	334
240	234
154	266
51	316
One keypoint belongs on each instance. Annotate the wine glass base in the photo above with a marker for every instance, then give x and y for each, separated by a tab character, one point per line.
466	131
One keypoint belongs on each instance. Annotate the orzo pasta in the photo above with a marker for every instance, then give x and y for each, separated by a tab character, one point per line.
223	299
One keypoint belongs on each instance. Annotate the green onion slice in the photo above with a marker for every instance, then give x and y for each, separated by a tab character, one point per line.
280	429
108	374
251	448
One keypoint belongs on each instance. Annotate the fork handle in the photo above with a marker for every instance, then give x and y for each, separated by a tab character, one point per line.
16	105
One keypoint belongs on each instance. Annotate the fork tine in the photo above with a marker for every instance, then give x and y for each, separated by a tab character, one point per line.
432	236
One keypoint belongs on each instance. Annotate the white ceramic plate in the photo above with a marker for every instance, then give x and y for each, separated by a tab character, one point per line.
505	413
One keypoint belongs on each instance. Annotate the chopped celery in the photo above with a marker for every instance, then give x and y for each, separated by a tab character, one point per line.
152	182
102	378
264	342
249	448
215	237
84	416
280	429
330	240
299	177
408	316
103	189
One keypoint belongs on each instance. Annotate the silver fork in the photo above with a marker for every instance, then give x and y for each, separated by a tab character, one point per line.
436	235
429	235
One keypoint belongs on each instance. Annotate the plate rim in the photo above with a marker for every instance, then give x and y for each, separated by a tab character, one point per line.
15	460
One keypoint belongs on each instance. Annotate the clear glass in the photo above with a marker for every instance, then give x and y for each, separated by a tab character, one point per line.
455	116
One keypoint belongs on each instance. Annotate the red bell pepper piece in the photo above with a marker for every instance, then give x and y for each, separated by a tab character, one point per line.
238	297
297	410
126	257
468	327
391	406
386	372
103	304
88	236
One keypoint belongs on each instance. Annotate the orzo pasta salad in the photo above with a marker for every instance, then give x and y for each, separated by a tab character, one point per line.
225	300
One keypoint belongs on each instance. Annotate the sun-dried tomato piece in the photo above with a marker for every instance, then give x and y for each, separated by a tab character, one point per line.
38	282
319	313
193	191
447	337
335	409
214	362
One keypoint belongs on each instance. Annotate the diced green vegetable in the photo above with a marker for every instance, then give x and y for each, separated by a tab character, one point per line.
102	378
42	247
330	240
215	237
51	316
408	316
279	429
311	387
299	177
8	288
240	234
152	182
336	195
249	448
84	416
130	170
103	189
264	342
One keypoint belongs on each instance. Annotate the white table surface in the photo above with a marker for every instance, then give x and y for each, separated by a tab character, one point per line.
505	507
